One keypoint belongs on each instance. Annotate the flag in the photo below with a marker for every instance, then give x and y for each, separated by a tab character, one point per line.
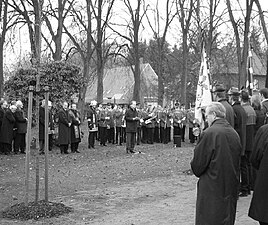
203	94
249	82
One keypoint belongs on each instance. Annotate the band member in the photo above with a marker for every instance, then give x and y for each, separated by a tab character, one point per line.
124	136
157	124
92	124
183	122
164	122
150	124
144	133
110	123
102	125
139	124
118	113
177	120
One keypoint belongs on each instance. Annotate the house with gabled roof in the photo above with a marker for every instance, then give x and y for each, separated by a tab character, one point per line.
118	85
228	74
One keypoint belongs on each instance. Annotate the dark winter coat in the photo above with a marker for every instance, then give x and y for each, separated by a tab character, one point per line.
42	122
8	124
216	163
75	127
259	159
240	123
64	129
229	111
131	124
21	122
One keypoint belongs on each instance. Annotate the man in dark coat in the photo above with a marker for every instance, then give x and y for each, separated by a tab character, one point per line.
131	118
3	106
42	127
7	132
259	159
216	163
21	129
240	123
219	95
246	169
64	128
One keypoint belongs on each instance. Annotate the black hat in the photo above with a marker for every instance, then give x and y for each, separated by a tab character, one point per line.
218	88
234	91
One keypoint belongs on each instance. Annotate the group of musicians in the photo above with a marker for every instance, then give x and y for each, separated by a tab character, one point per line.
154	124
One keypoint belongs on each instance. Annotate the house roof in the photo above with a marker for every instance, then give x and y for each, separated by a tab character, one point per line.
118	83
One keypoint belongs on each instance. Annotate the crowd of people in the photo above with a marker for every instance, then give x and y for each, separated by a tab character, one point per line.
230	158
107	124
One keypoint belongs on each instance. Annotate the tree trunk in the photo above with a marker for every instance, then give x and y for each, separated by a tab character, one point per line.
184	68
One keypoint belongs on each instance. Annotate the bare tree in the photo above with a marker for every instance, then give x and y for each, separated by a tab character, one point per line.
184	12
95	39
133	26
265	34
82	21
99	41
242	52
59	13
161	40
4	27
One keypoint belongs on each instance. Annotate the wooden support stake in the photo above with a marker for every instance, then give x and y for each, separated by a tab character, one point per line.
28	144
46	142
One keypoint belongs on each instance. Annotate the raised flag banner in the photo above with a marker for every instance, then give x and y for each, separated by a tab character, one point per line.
249	82
203	94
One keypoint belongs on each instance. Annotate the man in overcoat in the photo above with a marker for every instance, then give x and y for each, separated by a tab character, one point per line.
240	123
64	128
216	164
259	159
131	118
42	127
246	169
8	124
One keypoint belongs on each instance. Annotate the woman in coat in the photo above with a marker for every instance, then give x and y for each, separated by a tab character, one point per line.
259	159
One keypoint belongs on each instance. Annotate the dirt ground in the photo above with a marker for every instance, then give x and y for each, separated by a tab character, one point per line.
107	186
